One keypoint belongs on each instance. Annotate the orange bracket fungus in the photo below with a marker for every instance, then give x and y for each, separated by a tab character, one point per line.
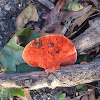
49	52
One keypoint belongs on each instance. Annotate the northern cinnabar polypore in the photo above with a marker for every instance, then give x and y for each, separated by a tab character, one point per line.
49	52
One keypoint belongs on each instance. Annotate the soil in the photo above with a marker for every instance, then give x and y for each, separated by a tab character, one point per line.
9	10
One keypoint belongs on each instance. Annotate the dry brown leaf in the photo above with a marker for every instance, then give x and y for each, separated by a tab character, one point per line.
27	96
28	14
91	96
53	22
54	18
73	15
57	30
73	33
68	18
81	19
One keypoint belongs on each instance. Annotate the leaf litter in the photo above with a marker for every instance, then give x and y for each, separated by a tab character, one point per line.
28	14
10	55
54	18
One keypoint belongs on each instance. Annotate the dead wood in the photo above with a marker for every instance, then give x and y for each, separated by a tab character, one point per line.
66	76
88	39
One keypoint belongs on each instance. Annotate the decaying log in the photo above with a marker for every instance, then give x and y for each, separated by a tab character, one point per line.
64	77
88	39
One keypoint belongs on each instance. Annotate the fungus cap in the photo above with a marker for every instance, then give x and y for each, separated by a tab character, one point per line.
49	52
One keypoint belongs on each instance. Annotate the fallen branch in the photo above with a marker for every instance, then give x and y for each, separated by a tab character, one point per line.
64	77
88	39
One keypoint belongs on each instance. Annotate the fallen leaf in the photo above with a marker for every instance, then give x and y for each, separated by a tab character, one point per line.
53	22
6	93
28	14
81	19
69	18
73	33
23	35
73	15
11	55
60	96
73	6
57	30
34	35
54	18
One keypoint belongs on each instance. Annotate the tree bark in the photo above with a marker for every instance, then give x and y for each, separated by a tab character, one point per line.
66	76
88	39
